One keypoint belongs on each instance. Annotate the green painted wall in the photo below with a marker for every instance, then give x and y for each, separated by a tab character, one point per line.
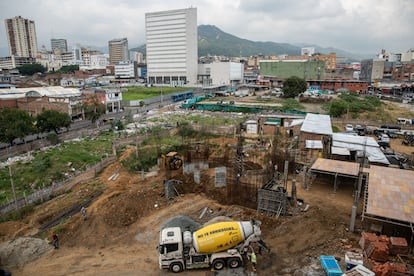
284	69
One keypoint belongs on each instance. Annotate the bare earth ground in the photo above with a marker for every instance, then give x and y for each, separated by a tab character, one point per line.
121	233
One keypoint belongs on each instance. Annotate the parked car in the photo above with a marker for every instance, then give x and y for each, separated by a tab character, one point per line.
349	128
360	130
391	134
384	140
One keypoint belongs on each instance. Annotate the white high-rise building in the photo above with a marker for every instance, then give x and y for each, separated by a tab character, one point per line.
118	50
21	35
172	48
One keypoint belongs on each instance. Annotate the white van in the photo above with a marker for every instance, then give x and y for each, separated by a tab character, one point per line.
403	121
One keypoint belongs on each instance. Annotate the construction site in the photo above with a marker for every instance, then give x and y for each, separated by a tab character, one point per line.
308	204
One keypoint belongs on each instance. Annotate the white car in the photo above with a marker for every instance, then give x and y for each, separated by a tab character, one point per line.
349	128
384	138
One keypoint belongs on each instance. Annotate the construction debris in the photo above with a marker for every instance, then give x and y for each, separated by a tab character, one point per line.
388	268
359	270
377	251
398	245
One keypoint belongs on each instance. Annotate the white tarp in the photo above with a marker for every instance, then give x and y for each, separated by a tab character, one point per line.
314	144
296	122
361	144
340	151
361	140
317	123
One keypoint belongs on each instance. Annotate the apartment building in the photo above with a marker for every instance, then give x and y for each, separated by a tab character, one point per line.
12	62
172	46
58	45
21	37
118	50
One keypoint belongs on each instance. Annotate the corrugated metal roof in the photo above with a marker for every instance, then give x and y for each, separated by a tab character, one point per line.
313	144
351	139
390	193
340	151
317	123
361	144
49	91
296	122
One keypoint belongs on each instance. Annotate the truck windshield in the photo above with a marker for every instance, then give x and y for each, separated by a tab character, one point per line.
166	248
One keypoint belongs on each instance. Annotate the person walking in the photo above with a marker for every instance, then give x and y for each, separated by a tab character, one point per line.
83	212
55	240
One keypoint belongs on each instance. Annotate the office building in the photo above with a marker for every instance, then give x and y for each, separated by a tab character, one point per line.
21	36
118	50
307	51
59	45
172	52
220	73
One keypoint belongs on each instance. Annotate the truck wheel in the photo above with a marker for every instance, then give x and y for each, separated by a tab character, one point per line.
218	264
233	263
176	267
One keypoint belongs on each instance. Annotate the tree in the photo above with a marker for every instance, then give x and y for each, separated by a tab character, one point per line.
94	109
338	108
14	123
293	86
31	69
52	120
68	69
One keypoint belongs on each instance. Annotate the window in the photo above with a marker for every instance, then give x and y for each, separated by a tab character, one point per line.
171	247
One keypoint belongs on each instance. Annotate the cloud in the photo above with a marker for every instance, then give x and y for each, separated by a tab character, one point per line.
353	25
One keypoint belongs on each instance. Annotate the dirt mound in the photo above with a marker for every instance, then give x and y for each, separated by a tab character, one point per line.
22	250
126	208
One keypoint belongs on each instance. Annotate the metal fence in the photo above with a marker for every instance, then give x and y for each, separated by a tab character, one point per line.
45	193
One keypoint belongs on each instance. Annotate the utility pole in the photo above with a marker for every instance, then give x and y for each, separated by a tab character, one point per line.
12	184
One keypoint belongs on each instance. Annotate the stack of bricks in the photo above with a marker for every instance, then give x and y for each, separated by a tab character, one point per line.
389	269
378	251
366	239
375	247
398	246
378	248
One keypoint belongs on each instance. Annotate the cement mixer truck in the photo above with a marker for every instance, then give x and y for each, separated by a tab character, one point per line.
216	245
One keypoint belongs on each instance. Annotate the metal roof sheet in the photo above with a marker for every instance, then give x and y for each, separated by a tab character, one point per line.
314	144
49	91
317	123
340	151
361	144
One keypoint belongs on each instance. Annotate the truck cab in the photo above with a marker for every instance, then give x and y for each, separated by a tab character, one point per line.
170	249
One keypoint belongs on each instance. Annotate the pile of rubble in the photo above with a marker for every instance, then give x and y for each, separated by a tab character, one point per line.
380	254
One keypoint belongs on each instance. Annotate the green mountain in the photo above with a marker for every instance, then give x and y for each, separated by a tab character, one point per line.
213	41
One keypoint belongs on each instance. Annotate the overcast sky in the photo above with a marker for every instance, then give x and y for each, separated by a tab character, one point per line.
357	26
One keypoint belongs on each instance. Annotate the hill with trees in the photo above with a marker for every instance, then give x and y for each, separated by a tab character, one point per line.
214	41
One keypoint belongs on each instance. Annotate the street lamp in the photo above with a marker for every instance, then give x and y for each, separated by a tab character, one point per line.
161	94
